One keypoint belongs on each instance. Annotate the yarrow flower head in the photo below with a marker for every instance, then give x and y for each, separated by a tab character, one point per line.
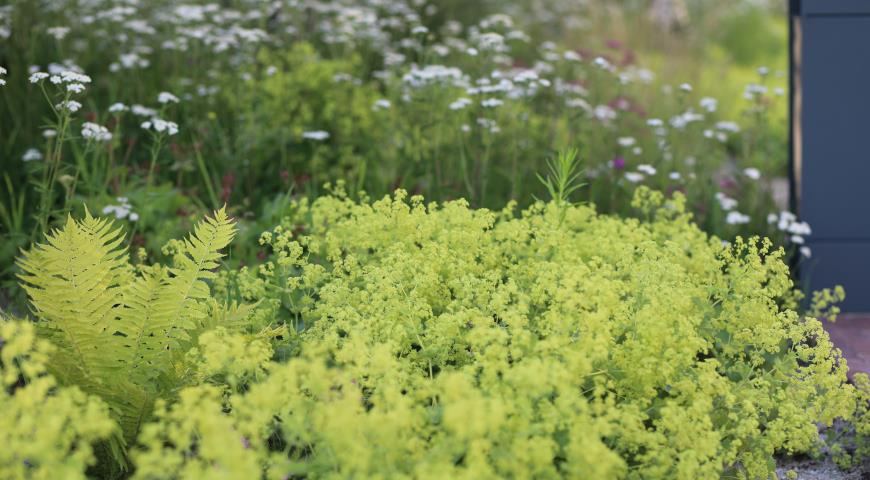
31	155
69	76
118	108
726	202
161	126
634	177
75	88
491	103
709	104
99	133
318	135
37	77
736	218
69	105
459	104
121	211
647	169
626	141
166	97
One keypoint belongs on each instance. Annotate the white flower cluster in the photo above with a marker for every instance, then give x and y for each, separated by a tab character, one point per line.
736	218
726	202
317	135
2	73
160	126
420	77
71	106
75	81
166	97
97	133
121	211
118	107
31	155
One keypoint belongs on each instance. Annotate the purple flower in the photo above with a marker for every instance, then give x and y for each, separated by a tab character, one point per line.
246	443
619	163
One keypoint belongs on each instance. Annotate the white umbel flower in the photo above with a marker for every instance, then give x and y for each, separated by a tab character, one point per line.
318	135
166	97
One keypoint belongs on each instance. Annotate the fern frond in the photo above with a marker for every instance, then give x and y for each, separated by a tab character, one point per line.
184	307
121	335
73	285
163	305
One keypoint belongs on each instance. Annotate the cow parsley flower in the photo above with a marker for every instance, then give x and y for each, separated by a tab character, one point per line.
459	104
753	91
709	104
160	126
634	177
604	113
141	111
37	77
752	173
99	133
626	141
118	107
737	218
491	103
647	169
70	76
728	127
489	124
382	104
166	97
69	105
31	155
75	88
318	135
58	32
806	252
726	202
121	211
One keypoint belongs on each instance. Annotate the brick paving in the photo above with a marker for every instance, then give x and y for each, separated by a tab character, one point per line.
851	334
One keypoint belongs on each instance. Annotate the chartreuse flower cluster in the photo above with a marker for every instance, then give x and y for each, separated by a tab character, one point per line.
46	431
398	339
436	341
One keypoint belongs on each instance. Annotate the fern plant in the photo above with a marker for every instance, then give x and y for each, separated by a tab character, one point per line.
121	331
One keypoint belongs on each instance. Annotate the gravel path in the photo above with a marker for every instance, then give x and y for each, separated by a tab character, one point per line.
821	470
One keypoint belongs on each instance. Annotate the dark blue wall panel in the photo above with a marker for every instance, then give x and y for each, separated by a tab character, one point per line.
835	136
828	7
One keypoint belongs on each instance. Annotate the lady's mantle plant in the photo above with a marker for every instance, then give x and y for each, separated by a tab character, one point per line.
438	341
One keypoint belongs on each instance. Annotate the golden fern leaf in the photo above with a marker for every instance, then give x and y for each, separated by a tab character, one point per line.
73	285
119	333
162	306
183	306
